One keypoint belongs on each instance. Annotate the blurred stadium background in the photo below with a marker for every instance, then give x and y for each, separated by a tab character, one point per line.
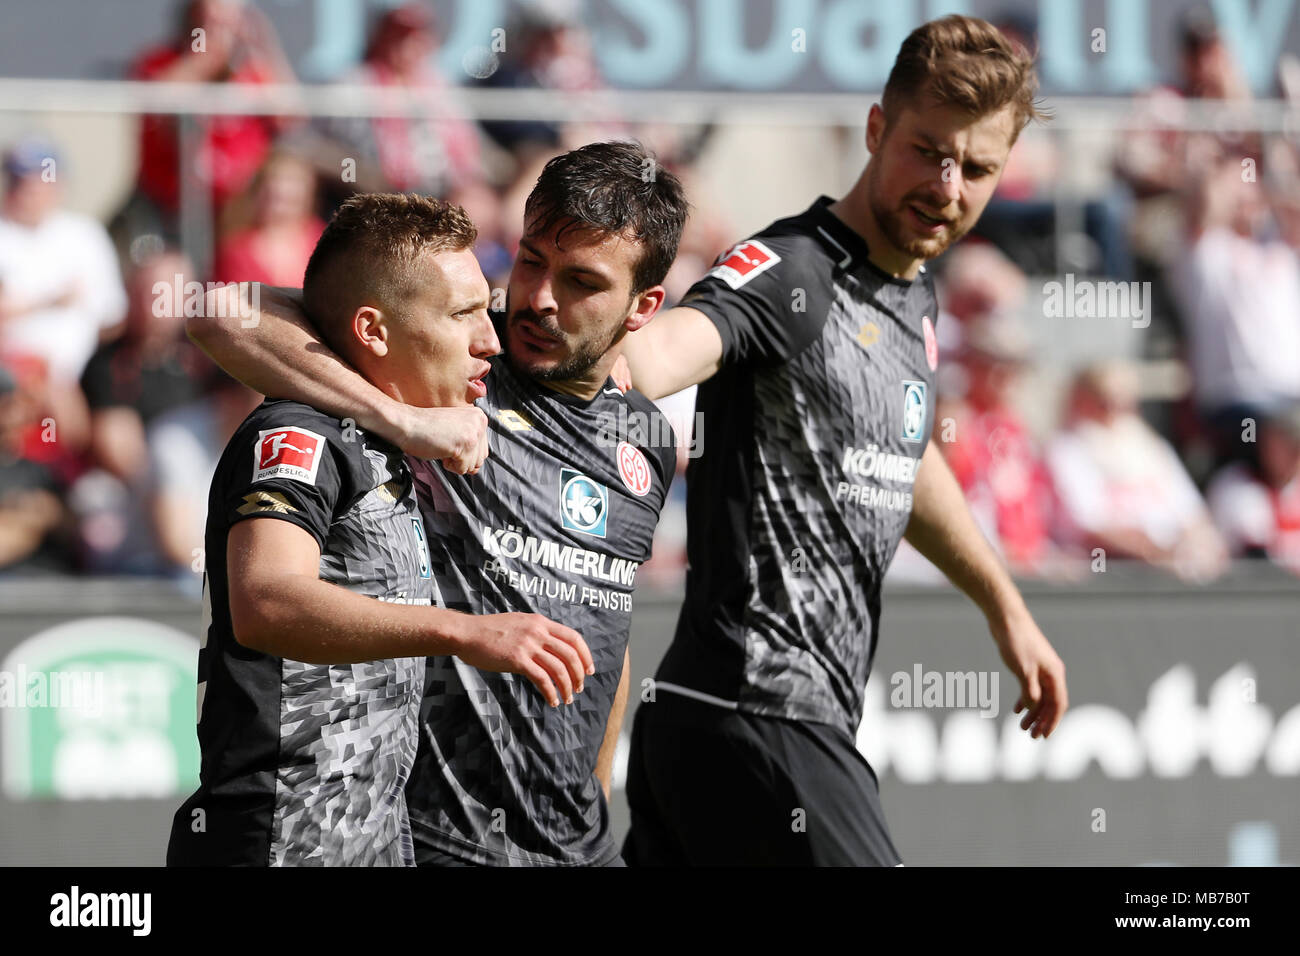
1120	374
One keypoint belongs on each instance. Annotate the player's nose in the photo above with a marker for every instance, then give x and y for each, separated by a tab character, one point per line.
541	299
484	342
946	185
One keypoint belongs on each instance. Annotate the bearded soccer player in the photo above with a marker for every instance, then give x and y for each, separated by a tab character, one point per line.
557	520
814	346
312	667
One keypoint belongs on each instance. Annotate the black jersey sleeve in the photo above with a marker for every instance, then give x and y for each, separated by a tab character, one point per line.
291	463
768	297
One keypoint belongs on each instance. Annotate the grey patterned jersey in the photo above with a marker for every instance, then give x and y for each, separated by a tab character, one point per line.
816	424
557	523
306	764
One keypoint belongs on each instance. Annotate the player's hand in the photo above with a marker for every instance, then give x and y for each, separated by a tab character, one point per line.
554	657
457	437
1039	669
621	373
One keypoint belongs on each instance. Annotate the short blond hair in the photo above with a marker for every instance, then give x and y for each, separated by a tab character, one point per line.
968	63
369	254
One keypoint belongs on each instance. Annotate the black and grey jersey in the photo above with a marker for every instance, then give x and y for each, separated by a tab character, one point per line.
557	523
306	764
815	426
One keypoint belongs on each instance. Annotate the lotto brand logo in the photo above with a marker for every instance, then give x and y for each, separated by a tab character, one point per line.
633	469
913	411
744	261
287	453
868	335
584	503
514	420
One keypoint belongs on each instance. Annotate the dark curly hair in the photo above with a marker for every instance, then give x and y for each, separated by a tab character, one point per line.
614	188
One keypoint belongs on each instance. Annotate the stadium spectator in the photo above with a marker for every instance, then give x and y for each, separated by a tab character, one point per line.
429	154
60	295
1021	218
1121	487
493	247
60	289
1239	291
185	444
1257	505
280	226
217	41
550	50
31	511
1159	161
992	454
151	368
977	282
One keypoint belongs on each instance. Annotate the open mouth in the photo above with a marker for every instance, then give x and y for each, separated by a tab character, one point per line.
928	222
477	387
532	336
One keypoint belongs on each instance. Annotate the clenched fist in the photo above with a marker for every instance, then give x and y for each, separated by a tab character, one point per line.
457	437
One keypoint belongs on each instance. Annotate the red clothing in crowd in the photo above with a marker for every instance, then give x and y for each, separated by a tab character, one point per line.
999	468
243	258
233	146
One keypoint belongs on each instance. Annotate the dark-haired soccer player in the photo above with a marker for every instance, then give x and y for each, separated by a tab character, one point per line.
815	348
557	521
312	667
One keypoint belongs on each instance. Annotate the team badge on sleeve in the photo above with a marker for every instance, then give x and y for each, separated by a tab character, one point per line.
633	469
931	343
287	453
744	261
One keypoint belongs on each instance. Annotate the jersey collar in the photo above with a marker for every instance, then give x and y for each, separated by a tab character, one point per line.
849	248
522	384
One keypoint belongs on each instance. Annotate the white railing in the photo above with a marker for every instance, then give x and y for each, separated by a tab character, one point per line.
775	109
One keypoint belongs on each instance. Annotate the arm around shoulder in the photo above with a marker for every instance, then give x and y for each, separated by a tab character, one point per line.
680	348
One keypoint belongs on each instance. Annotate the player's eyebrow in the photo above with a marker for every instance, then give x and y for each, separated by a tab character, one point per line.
473	305
939	148
532	250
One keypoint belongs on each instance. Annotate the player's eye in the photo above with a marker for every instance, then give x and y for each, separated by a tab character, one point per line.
976	172
585	285
926	153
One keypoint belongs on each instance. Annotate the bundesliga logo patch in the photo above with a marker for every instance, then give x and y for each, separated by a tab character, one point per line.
584	504
287	453
743	262
913	411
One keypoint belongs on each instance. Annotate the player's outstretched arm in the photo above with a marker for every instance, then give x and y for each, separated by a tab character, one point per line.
280	606
681	347
943	529
269	345
613	726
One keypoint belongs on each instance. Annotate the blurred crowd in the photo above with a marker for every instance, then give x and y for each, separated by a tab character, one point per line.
111	421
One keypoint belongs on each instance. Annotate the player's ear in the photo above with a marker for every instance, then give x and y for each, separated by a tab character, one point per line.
645	305
875	128
370	330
